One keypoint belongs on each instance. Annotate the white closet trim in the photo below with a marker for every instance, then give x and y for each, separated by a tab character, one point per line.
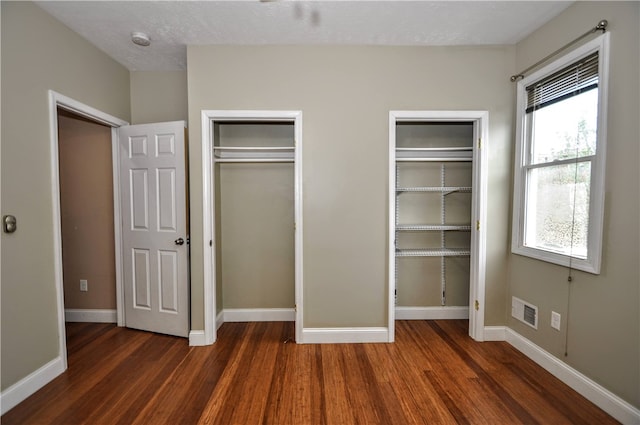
209	117
477	154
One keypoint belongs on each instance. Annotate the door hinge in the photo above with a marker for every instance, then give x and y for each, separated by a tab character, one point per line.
478	225
477	305
210	243
295	308
479	142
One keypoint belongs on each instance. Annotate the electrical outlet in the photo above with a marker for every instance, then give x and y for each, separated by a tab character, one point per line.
555	320
83	285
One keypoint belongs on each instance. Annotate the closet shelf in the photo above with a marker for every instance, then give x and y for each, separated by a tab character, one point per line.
434	154
434	252
432	227
253	152
446	189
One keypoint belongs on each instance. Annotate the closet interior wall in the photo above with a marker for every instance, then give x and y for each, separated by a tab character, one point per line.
254	216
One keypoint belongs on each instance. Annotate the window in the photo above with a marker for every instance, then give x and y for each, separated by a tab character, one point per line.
560	158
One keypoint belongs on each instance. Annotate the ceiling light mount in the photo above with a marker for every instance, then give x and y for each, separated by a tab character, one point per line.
140	38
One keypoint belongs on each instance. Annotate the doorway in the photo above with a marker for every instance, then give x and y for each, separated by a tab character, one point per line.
242	152
437	216
87	223
164	144
56	101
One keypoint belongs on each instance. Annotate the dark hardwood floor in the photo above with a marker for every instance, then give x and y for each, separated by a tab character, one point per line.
433	374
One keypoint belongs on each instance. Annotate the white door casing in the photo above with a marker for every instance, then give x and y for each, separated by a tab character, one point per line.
57	100
154	233
208	118
480	121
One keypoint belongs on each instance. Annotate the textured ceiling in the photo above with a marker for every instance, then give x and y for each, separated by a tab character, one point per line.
172	25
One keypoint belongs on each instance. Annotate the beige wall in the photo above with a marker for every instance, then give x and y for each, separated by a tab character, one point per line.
158	96
256	229
604	316
345	94
86	207
39	54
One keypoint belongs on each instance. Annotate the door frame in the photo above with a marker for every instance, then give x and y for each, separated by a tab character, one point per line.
208	118
480	120
57	100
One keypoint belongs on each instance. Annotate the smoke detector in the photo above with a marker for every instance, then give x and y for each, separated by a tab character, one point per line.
140	38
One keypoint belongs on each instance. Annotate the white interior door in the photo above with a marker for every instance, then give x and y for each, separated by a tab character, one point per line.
154	228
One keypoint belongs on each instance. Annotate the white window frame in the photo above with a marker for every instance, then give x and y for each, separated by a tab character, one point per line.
593	260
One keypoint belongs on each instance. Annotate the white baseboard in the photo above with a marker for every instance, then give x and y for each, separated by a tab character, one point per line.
219	319
259	315
196	339
344	335
245	315
22	389
592	391
90	315
431	313
495	333
309	335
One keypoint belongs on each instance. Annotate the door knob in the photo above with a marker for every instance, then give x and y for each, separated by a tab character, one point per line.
10	223
179	241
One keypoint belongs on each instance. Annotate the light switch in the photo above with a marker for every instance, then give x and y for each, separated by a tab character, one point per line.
555	320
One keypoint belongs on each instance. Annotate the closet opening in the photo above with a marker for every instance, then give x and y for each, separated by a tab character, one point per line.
255	217
436	251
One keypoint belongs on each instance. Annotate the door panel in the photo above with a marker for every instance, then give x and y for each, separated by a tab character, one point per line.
156	287
166	208
139	199
167	269
140	274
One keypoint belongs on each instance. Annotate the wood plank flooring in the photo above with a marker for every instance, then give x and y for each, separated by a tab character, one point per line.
433	374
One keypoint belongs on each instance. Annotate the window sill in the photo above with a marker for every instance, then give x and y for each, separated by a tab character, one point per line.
585	265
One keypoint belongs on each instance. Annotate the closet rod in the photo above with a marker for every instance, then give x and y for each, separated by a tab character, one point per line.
218	160
462	149
452	159
602	26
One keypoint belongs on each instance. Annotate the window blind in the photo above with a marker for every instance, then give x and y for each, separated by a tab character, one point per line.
577	78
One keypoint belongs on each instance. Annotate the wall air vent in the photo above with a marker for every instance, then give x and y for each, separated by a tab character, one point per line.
525	312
